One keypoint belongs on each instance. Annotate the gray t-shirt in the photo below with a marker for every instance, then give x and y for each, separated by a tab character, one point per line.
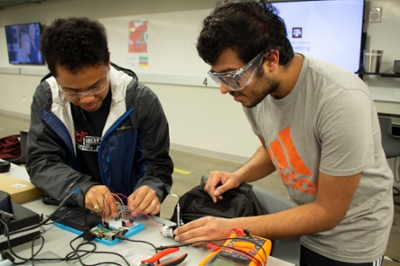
329	123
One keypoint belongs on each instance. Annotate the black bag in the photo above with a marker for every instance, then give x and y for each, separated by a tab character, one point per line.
237	202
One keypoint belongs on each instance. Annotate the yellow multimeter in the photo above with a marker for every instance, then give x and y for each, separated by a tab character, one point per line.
257	248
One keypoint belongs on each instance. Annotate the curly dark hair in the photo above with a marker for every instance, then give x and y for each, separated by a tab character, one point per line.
74	43
248	27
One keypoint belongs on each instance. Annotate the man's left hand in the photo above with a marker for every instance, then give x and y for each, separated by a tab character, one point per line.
204	230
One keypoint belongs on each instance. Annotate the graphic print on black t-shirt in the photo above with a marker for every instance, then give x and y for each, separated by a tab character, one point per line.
87	143
88	129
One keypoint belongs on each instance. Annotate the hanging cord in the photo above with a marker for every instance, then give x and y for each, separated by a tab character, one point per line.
397	178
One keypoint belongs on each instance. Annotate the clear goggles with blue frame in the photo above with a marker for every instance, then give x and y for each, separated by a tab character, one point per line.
236	80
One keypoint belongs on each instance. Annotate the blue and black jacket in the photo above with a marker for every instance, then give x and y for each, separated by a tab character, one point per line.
134	150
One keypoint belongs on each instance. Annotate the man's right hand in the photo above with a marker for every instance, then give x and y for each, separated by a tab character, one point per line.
220	182
99	199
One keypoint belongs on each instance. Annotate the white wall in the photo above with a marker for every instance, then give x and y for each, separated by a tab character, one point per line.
201	119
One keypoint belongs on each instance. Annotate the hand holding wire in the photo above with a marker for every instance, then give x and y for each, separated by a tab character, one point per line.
145	200
94	199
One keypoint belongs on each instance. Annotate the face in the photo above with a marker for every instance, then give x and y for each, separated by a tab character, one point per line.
87	88
25	43
32	31
253	93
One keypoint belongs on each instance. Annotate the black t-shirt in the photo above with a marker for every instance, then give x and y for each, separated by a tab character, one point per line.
88	128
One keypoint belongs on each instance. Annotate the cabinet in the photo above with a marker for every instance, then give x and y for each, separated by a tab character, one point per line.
384	75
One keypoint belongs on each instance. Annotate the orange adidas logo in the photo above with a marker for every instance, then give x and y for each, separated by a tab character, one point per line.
287	161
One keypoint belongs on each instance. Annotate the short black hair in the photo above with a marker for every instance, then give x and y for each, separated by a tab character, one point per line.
248	27
74	43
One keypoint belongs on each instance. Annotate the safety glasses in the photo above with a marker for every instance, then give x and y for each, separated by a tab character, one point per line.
236	80
101	87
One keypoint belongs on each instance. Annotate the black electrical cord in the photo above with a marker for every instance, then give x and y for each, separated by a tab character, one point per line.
73	255
89	252
33	247
65	216
7	233
24	260
44	221
139	241
397	178
87	234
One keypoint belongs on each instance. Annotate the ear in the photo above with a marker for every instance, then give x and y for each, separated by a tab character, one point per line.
272	59
109	61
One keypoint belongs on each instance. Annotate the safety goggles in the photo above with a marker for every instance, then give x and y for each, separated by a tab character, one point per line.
236	80
101	87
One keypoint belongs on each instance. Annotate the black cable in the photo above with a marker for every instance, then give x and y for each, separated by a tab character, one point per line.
397	178
87	234
7	233
24	260
33	247
75	254
139	241
65	216
72	254
44	221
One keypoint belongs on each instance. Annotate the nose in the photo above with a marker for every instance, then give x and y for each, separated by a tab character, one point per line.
86	98
223	89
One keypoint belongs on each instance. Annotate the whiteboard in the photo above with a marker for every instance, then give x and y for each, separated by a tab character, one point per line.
171	46
172	36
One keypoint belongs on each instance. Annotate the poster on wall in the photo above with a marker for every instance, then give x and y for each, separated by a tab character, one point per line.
138	54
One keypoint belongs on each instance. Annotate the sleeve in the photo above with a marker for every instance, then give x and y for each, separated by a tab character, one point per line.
51	165
154	132
346	134
251	117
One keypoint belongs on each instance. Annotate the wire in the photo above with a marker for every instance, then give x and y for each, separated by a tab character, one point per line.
33	247
154	223
73	255
24	260
44	221
8	233
89	252
140	241
397	178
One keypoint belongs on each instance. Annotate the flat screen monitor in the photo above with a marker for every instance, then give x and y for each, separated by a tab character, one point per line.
330	30
23	44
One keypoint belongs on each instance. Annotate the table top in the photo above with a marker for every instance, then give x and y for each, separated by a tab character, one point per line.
57	240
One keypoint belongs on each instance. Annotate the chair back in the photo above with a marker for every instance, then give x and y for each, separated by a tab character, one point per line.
390	143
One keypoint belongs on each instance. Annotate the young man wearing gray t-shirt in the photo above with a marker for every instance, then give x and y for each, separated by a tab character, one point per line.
319	130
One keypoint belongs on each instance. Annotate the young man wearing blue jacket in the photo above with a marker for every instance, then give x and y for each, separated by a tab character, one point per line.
94	127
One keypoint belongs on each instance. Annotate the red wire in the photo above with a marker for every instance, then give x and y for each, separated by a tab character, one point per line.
152	220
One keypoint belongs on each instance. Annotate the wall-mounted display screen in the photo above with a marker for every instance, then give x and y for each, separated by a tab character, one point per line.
23	44
330	30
